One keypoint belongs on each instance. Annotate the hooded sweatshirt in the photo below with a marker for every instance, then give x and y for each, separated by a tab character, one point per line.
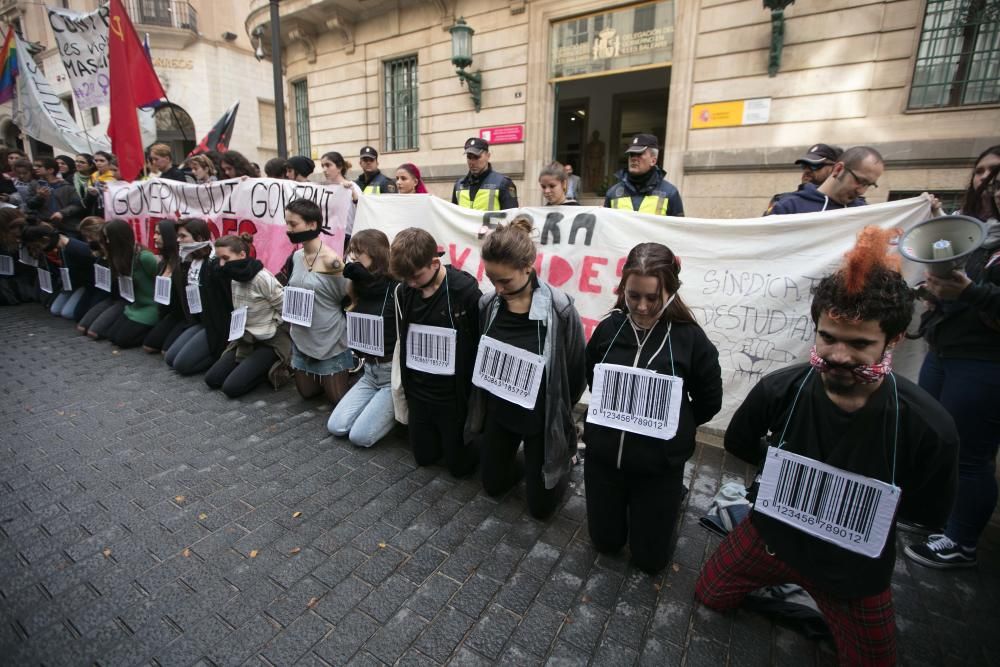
809	200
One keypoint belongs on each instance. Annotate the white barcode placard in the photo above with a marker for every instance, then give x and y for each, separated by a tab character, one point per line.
25	258
6	265
238	323
67	282
193	294
431	349
102	277
637	400
126	288
366	333
162	290
508	372
297	306
840	507
44	280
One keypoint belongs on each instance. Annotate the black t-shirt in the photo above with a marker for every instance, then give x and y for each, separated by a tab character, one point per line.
433	312
517	330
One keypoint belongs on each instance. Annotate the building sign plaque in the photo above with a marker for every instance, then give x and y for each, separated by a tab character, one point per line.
731	114
613	41
504	134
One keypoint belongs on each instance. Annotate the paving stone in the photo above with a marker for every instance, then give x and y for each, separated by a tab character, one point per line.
392	640
349	635
432	596
444	634
475	594
296	640
387	598
538	629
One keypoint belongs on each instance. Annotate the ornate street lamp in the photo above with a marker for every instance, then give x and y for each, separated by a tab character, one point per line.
777	8
461	57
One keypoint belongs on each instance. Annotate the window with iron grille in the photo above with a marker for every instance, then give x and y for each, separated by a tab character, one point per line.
300	97
958	60
401	104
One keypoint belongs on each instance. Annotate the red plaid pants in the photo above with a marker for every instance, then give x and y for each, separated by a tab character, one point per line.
864	629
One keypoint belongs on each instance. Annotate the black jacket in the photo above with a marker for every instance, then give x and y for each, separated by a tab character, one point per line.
216	302
464	296
809	200
926	464
374	295
174	174
969	328
654	182
62	198
695	359
379	180
505	188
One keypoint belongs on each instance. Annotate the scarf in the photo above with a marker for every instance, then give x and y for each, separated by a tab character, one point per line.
863	373
242	270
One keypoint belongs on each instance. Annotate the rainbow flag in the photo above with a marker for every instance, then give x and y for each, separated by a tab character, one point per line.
8	67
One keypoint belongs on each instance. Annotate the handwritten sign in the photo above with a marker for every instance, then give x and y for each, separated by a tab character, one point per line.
83	46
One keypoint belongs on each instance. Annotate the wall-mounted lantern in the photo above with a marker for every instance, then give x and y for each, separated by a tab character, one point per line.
777	8
461	57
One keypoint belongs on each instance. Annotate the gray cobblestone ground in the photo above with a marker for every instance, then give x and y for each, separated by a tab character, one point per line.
145	519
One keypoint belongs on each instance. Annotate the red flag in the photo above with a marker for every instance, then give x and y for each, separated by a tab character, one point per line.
134	84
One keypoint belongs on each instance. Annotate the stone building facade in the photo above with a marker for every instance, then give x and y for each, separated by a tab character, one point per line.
202	55
695	72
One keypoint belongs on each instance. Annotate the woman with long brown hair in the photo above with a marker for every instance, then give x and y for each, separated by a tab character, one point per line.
655	378
133	268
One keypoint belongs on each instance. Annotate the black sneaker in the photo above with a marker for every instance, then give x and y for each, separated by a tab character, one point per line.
918	529
942	553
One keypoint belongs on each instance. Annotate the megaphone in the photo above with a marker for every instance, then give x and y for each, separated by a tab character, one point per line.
943	244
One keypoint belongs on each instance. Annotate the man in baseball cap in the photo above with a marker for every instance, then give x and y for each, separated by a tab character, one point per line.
483	189
372	181
642	186
816	164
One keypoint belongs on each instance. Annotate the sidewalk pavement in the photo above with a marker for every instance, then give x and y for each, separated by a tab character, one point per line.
147	520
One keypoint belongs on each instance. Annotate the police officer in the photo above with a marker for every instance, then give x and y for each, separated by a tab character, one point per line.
817	165
483	189
372	181
643	187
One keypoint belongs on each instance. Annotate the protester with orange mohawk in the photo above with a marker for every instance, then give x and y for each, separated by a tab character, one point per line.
844	445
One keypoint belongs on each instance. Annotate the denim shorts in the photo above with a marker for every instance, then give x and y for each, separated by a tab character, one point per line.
322	367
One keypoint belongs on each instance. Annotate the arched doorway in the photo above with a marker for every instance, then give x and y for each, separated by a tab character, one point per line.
175	128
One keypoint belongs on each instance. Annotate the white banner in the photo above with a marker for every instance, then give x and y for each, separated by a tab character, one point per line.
747	281
40	113
255	206
83	47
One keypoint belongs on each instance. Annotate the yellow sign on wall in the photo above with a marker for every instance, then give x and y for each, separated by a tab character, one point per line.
731	114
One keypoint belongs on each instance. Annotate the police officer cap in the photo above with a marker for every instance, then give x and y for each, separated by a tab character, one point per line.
820	154
641	142
476	146
368	151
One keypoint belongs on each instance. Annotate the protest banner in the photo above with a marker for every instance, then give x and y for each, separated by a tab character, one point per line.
747	281
255	206
40	113
83	46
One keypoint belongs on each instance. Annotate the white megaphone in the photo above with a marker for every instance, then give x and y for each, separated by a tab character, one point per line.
944	243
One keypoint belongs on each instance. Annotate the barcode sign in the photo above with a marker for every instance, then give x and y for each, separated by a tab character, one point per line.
64	277
193	294
297	306
846	509
6	265
162	291
431	349
25	258
366	333
102	277
126	288
637	400
238	323
508	372
44	280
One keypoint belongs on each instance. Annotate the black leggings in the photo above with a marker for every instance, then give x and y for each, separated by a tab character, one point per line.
640	509
436	431
237	378
106	316
499	445
125	333
164	333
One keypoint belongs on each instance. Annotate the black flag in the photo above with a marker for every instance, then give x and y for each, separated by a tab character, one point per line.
218	137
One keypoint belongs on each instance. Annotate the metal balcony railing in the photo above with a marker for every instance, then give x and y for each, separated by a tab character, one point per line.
163	13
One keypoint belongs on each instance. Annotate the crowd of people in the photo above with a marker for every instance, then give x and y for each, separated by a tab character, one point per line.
391	333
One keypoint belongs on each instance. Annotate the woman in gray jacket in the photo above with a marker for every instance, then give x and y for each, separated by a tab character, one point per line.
529	373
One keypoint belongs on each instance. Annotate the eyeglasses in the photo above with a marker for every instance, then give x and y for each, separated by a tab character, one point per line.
817	167
860	181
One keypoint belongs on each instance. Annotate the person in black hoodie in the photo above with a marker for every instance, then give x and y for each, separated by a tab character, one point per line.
439	334
858	169
13	274
844	444
172	321
200	289
365	414
962	370
650	344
